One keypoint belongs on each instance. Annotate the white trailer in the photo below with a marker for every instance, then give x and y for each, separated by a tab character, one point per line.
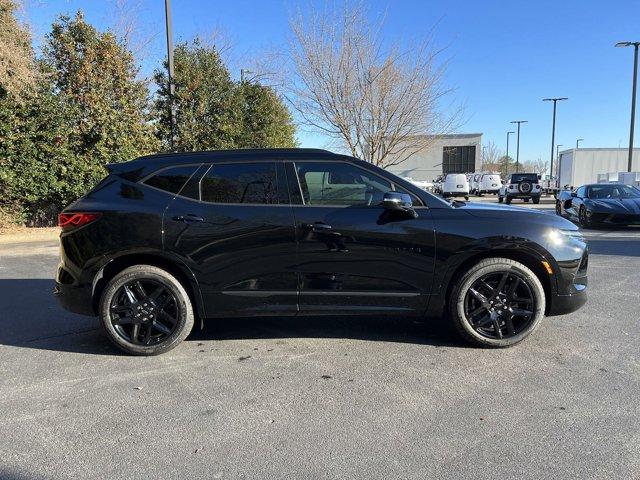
580	166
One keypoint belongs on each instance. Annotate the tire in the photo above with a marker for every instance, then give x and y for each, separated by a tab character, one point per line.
466	197
558	208
536	200
520	326
525	187
526	200
160	336
500	199
507	200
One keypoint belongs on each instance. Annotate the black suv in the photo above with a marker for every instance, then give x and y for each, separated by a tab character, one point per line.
521	185
167	240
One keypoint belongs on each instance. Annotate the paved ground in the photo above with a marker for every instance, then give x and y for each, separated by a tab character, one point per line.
321	398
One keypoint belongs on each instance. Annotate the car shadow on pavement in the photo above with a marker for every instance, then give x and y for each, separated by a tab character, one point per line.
30	317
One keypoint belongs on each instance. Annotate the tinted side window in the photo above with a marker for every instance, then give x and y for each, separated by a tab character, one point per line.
171	179
241	183
581	192
332	183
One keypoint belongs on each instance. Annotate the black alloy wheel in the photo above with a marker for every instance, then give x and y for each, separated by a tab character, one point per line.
500	305
497	302
144	312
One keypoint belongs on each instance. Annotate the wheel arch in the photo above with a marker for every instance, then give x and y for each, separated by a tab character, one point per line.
528	257
175	267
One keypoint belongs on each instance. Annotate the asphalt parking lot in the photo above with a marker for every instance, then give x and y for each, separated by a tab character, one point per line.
322	398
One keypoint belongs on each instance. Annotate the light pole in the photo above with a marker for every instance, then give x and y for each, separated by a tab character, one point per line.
168	20
518	143
506	160
578	142
553	128
633	95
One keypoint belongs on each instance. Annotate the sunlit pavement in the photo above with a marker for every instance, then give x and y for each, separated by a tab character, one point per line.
325	397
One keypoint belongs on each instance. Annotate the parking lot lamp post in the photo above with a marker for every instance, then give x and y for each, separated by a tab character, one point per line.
553	127
519	122
633	95
506	159
172	120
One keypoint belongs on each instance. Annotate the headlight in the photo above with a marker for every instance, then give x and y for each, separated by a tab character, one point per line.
558	236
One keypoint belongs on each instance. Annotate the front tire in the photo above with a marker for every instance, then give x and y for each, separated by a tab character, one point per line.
146	311
507	200
582	217
497	303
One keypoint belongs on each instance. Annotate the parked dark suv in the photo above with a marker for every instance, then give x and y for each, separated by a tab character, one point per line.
167	240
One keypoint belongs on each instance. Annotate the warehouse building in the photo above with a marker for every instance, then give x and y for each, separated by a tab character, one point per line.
583	165
455	153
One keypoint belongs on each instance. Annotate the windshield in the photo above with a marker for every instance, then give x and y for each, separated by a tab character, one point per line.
612	191
520	177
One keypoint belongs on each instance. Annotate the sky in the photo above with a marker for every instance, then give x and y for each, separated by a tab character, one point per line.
503	57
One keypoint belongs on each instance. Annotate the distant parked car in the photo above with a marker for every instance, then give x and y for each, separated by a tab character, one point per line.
601	203
521	185
455	185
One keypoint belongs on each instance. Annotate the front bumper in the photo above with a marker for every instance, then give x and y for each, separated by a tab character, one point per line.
614	218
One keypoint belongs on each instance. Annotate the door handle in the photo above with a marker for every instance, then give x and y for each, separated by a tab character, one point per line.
319	227
190	217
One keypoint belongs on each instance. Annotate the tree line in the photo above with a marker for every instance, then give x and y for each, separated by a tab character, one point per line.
80	104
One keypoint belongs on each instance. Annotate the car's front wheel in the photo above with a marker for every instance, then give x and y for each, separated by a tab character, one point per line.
583	218
497	303
146	311
558	208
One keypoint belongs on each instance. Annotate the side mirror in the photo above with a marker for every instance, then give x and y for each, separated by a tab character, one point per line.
399	202
396	201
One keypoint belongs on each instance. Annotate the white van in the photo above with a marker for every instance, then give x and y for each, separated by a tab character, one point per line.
455	185
489	183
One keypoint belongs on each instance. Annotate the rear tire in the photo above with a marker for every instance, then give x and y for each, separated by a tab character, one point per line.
500	199
512	329
536	200
526	200
507	200
146	311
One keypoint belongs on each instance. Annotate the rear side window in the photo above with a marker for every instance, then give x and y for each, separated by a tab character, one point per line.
255	183
171	179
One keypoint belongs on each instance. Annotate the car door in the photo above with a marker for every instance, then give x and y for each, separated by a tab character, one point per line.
233	226
577	201
353	255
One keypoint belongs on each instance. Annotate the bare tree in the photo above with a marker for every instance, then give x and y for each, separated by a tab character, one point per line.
491	158
381	100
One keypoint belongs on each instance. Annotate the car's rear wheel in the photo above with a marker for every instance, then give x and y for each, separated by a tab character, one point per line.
507	200
146	311
497	303
536	200
500	199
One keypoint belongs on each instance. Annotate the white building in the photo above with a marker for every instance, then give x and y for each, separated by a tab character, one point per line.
455	153
580	166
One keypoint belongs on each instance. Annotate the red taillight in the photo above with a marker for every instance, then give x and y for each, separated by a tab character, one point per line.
67	221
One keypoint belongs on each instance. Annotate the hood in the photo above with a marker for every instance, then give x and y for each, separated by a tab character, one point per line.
517	214
617	205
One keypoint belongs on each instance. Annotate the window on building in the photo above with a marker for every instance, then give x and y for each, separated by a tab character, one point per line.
458	159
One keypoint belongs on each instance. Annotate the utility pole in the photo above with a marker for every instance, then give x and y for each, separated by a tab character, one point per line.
518	143
633	95
172	119
553	128
506	162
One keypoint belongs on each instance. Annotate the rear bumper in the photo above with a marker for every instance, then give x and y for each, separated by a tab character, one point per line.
523	195
71	296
